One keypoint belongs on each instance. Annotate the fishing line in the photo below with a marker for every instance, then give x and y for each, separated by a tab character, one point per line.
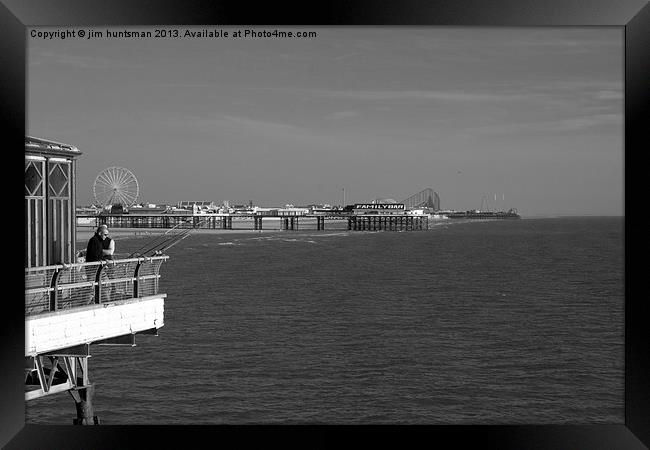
164	237
173	238
170	239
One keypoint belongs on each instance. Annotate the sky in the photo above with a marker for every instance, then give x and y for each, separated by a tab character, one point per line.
531	116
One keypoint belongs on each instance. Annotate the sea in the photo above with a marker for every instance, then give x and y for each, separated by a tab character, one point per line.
475	322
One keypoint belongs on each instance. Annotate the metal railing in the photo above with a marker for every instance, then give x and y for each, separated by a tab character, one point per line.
53	288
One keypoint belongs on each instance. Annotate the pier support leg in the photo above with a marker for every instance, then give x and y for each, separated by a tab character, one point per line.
84	405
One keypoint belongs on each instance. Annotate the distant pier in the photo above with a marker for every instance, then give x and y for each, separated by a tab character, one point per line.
354	222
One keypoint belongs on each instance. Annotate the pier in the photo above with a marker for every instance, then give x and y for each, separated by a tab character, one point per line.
71	305
388	223
352	222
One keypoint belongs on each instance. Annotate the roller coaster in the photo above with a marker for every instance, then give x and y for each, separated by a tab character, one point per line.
426	198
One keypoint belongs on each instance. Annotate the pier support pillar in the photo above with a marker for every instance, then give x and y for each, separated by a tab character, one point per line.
84	404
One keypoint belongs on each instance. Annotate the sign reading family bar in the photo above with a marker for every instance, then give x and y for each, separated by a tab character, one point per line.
378	208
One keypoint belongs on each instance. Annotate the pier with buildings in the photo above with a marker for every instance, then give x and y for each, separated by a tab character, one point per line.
353	222
413	214
71	305
378	215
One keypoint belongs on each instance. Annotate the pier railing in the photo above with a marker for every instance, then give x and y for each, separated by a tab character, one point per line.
54	288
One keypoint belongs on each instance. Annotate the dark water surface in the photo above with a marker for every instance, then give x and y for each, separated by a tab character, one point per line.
490	322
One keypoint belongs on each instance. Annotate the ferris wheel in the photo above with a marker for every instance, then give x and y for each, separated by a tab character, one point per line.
116	186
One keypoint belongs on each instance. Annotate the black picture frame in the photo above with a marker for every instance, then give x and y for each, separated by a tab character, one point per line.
632	15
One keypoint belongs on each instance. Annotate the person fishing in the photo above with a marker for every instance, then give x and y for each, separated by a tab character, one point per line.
95	246
100	248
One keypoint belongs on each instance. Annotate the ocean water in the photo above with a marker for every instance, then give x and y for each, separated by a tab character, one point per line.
484	322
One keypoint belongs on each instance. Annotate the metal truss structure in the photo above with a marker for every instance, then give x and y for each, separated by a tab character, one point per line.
426	198
59	371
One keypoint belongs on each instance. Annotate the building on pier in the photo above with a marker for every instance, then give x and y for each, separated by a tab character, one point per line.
270	212
49	202
378	208
293	211
69	305
200	207
148	209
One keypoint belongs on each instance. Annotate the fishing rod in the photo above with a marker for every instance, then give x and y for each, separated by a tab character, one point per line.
182	235
177	238
148	243
154	243
172	244
167	238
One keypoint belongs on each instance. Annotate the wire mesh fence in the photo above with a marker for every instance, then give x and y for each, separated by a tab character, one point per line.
68	286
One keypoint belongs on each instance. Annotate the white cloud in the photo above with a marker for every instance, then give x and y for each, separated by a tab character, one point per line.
567	124
343	114
454	96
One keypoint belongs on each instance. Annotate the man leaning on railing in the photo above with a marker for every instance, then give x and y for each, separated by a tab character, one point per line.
95	247
100	248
